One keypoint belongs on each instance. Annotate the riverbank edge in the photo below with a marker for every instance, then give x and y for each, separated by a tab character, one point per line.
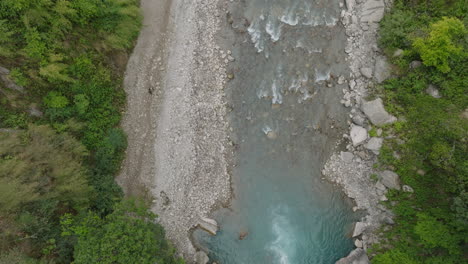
353	170
179	148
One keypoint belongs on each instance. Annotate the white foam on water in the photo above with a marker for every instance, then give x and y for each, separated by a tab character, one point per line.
262	91
277	97
256	34
284	244
290	17
273	28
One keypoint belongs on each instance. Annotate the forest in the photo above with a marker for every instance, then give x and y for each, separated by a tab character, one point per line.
61	98
426	41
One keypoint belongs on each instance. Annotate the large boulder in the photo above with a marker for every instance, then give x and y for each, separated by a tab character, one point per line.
376	113
390	179
209	225
372	11
357	256
359	227
358	135
366	72
381	69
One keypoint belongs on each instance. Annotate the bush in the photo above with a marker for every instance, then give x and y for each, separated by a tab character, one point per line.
128	235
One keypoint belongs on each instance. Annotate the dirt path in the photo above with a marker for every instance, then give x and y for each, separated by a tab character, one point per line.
178	148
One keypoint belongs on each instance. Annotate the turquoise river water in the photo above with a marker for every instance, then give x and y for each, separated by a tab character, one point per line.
286	119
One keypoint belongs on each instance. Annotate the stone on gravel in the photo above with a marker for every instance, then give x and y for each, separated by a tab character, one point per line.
366	72
374	145
380	186
357	256
381	70
390	179
347	156
359	120
358	135
350	4
359	228
209	225
407	188
201	258
375	111
372	11
433	91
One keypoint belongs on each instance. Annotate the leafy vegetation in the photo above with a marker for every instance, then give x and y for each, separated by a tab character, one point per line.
60	146
431	223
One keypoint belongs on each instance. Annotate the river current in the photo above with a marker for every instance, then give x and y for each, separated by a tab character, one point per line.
286	120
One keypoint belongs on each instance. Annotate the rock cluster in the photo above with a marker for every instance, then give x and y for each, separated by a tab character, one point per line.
353	169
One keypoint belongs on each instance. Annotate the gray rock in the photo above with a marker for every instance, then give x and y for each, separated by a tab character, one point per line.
398	53
347	156
359	227
388	220
4	71
366	72
415	64
357	256
358	243
358	135
201	258
374	145
380	186
359	120
34	111
407	188
372	11
209	225
350	4
390	179
381	69
375	111
433	91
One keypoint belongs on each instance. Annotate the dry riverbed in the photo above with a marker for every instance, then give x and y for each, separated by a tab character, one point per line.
178	146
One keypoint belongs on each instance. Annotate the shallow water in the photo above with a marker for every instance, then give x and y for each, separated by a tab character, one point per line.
286	121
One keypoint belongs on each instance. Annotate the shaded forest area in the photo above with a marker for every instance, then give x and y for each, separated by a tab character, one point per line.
61	98
427	42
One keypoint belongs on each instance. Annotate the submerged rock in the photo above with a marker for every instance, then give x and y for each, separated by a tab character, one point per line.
376	113
390	179
357	256
358	135
201	258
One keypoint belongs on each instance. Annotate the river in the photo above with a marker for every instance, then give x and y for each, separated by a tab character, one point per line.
286	119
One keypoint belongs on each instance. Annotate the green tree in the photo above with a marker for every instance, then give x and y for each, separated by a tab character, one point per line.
39	164
442	45
128	235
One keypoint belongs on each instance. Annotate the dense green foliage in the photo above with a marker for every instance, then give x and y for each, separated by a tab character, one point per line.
431	147
69	55
127	235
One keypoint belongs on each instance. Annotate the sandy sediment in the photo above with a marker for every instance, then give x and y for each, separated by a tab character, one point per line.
175	119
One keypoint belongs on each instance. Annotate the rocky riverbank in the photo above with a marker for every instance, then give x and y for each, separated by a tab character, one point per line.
175	120
353	169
